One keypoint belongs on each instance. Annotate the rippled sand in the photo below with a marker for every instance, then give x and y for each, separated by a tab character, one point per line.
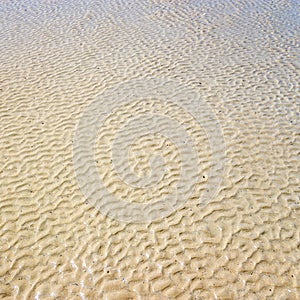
241	58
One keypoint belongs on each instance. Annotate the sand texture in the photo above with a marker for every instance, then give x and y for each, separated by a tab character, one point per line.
149	149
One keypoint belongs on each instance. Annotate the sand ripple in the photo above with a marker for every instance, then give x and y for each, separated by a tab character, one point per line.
239	57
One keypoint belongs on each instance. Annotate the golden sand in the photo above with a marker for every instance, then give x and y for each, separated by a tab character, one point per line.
239	59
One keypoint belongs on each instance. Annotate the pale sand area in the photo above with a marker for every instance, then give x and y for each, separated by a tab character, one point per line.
239	57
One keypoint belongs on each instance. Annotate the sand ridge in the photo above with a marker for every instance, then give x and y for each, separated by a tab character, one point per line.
240	57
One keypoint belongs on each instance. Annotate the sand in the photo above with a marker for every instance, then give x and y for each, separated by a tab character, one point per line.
149	150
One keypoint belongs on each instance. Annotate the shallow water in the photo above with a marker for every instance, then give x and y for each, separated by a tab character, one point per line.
149	149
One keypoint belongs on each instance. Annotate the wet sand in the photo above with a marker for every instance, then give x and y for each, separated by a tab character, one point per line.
241	59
